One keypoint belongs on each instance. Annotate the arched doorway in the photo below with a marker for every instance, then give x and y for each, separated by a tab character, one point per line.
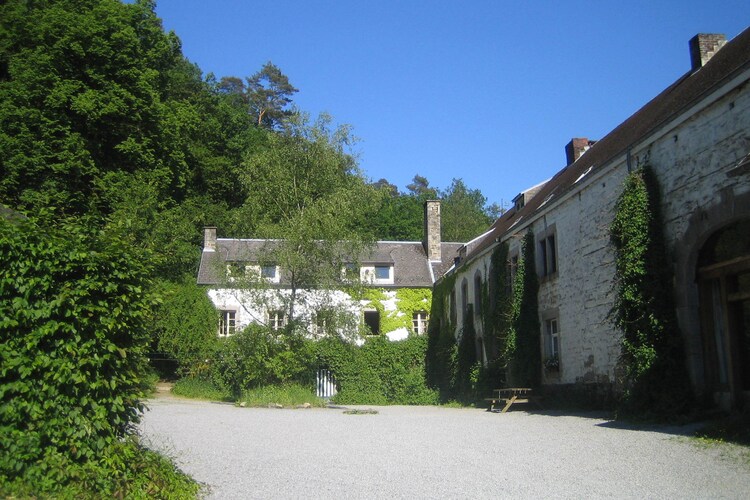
723	272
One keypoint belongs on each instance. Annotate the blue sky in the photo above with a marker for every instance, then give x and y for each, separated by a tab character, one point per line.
486	91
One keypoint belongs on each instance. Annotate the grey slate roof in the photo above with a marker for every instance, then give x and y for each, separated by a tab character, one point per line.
410	265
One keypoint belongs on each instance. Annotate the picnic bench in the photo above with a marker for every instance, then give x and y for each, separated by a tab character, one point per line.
510	395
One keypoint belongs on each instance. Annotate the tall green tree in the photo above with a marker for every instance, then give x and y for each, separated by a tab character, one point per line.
305	189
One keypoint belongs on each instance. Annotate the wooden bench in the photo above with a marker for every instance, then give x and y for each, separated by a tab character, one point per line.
510	395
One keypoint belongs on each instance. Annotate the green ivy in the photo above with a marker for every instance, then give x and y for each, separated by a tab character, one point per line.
652	350
523	346
408	301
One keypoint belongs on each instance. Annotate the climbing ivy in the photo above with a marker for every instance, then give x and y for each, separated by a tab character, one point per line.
440	357
408	301
523	347
652	351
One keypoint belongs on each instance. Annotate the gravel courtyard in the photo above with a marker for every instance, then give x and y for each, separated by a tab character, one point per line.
428	452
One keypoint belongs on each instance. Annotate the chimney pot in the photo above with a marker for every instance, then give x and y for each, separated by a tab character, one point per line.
209	239
703	46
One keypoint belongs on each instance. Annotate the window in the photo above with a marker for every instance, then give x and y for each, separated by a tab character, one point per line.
382	272
478	294
420	322
512	271
464	298
270	272
276	320
227	323
548	255
324	320
350	271
372	321
552	345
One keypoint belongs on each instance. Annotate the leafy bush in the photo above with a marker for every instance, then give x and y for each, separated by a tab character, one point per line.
259	356
123	469
72	339
185	324
378	372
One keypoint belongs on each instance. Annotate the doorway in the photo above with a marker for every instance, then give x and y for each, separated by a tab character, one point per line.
724	287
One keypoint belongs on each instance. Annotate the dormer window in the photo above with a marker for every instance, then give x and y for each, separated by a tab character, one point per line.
270	273
379	274
383	273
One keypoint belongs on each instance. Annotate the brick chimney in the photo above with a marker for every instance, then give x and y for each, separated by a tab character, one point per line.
703	46
576	147
431	236
209	239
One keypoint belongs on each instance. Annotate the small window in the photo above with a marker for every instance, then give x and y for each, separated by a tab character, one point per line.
276	320
382	272
269	272
548	255
350	271
478	294
372	321
512	272
552	345
324	320
227	323
420	322
464	298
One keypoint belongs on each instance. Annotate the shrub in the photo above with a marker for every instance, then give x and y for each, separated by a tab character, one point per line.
378	372
287	395
259	356
72	341
199	388
185	324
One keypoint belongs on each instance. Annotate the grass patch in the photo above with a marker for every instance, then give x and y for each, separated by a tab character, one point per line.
196	388
125	469
733	429
286	395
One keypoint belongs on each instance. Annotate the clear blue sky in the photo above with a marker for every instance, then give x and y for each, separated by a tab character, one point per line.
486	91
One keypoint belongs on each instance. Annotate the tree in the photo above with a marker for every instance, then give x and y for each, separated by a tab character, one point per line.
464	215
306	191
269	95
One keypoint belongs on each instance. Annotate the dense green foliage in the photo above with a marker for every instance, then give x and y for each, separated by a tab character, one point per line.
123	469
73	305
184	326
259	356
442	351
523	342
378	372
644	311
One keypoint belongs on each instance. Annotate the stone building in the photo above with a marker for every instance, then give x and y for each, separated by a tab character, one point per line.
696	137
397	277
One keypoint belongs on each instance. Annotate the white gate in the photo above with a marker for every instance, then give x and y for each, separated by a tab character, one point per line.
325	384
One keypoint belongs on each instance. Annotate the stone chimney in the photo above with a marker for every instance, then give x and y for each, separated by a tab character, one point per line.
703	46
431	236
576	147
209	239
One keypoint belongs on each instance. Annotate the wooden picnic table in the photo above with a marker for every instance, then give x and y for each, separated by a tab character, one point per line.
510	395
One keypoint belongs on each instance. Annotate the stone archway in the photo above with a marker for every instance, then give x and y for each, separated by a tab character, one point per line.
694	255
723	274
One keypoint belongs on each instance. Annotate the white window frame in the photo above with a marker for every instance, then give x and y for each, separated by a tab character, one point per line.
369	274
227	322
420	322
276	319
552	339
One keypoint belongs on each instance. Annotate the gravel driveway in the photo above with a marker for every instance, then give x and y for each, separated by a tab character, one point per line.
428	452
